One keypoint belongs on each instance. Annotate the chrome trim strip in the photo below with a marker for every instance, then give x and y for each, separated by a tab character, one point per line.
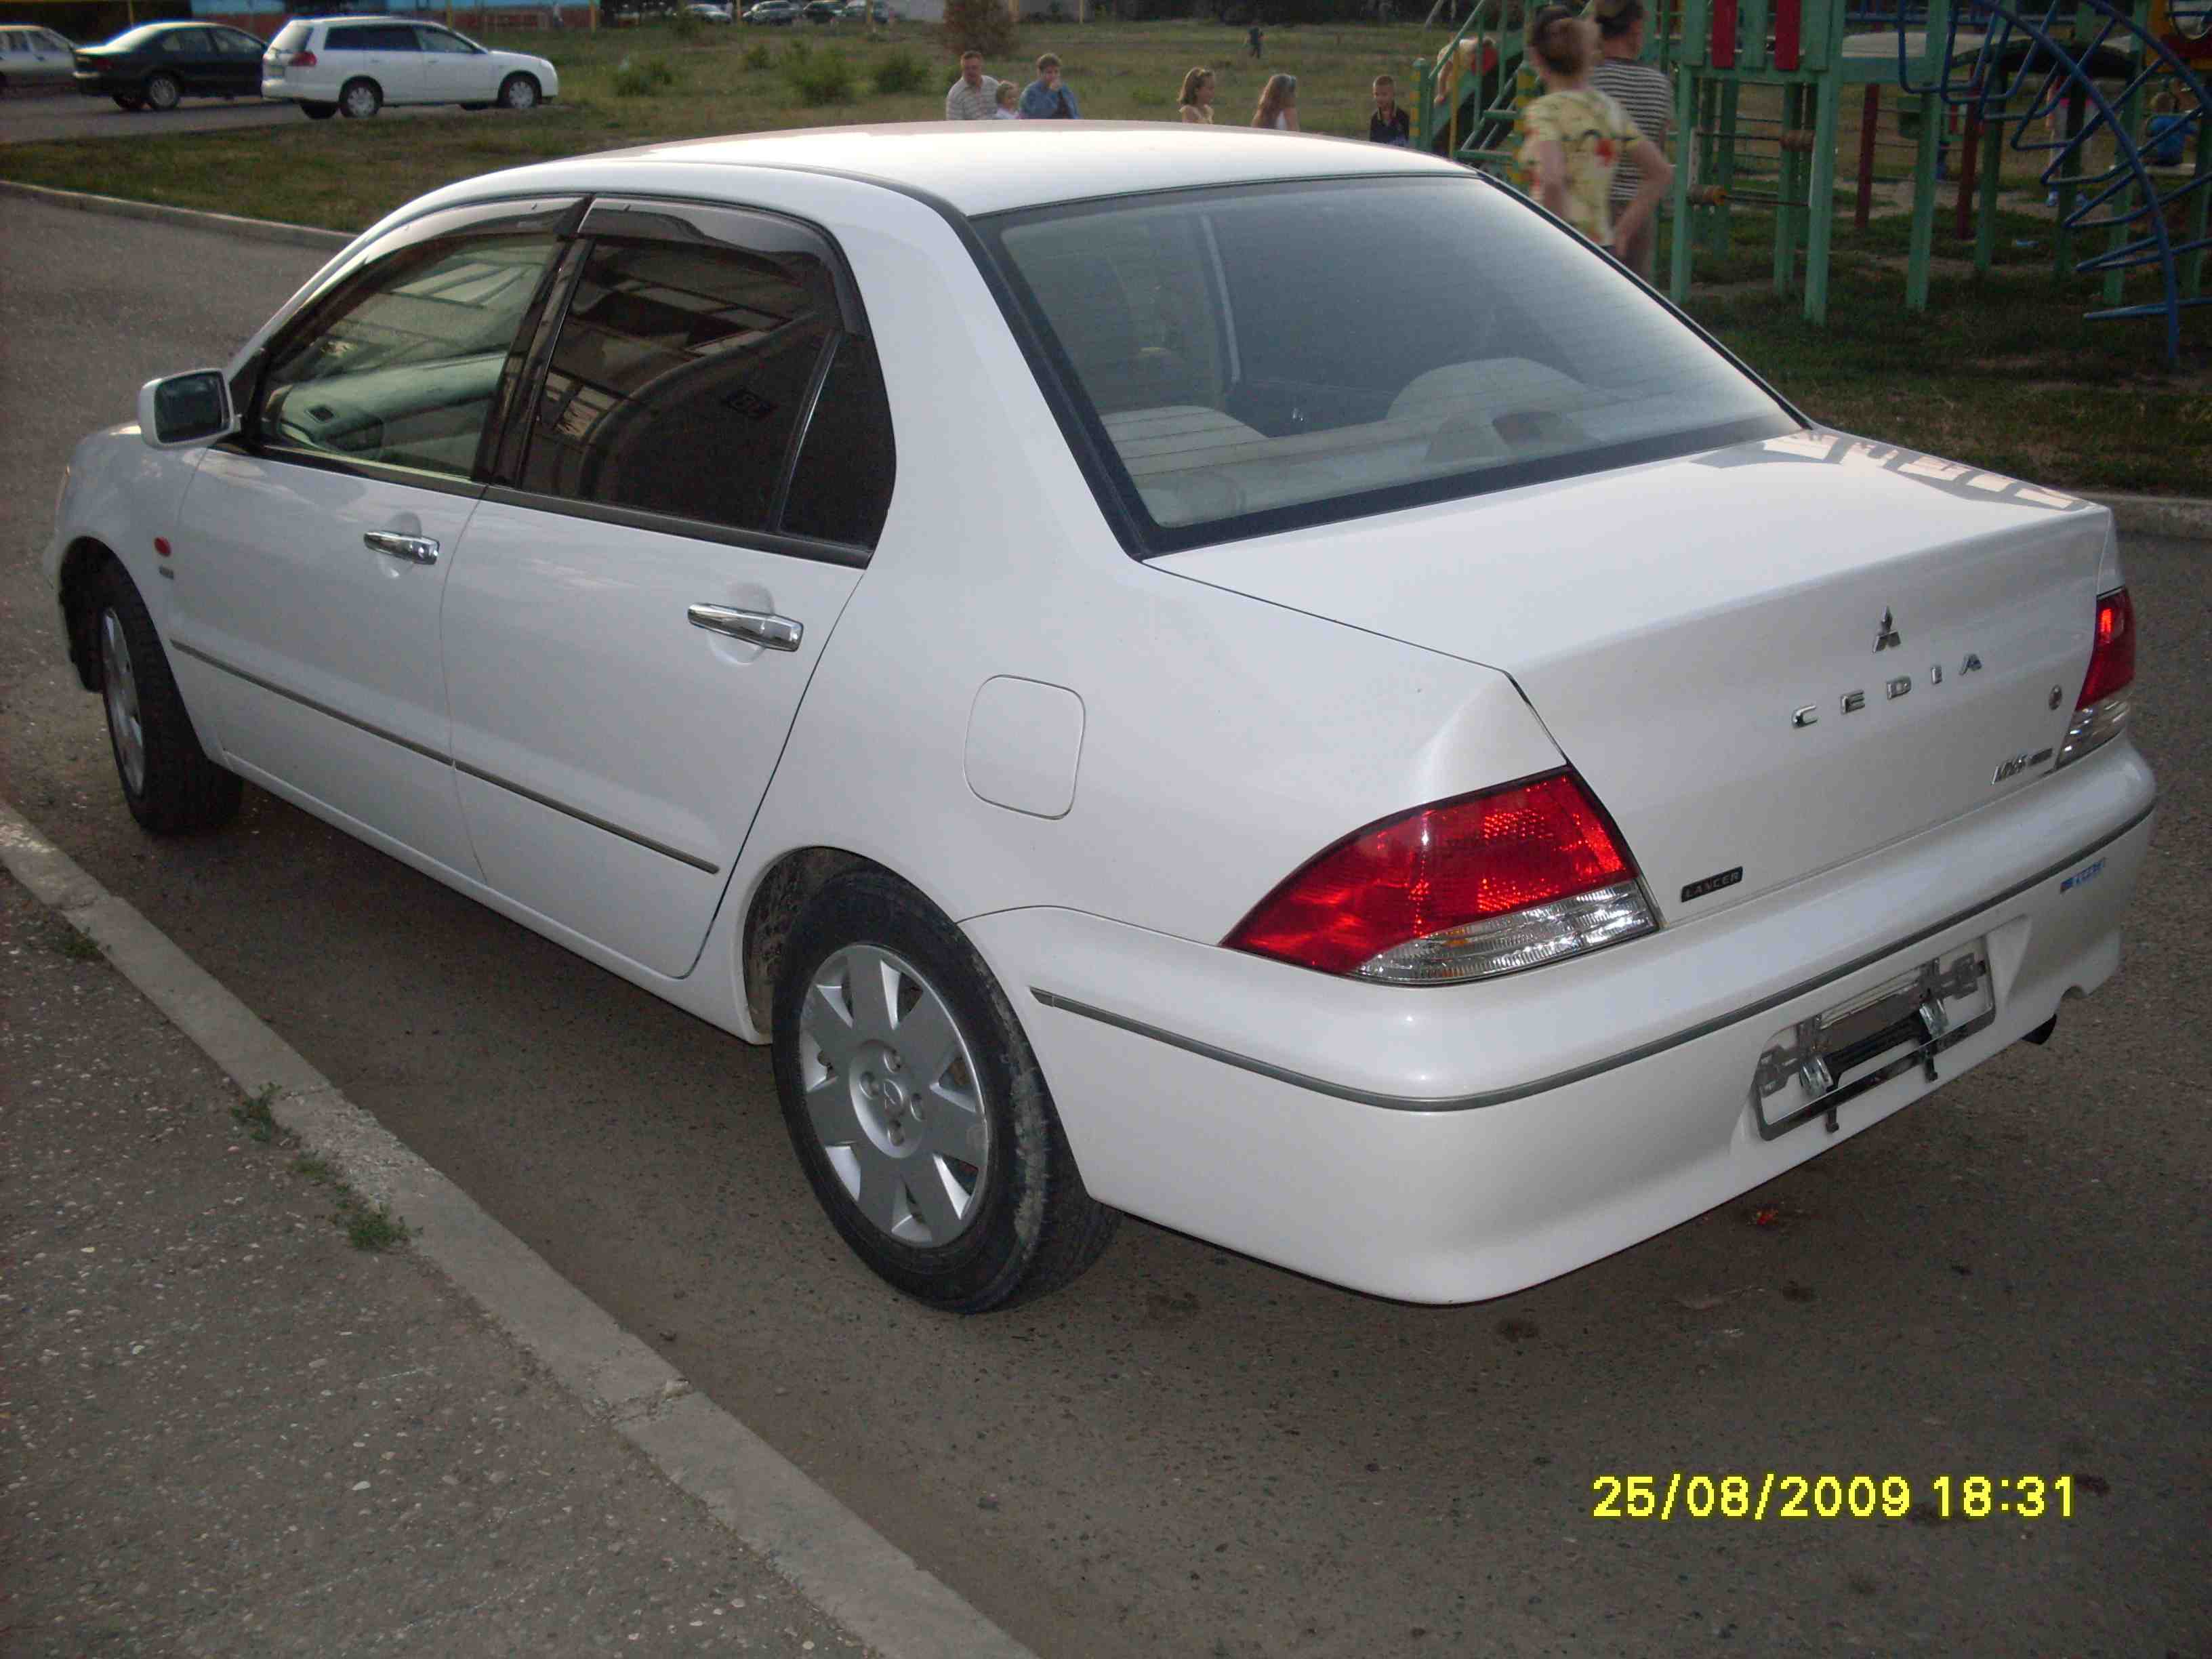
309	702
631	835
1579	1074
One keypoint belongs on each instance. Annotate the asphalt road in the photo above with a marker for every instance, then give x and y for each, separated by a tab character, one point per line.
36	117
1188	1452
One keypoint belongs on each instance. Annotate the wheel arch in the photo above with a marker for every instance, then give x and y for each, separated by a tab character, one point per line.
79	593
779	898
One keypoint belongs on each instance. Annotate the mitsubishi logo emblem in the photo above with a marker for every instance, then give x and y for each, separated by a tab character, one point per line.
1888	635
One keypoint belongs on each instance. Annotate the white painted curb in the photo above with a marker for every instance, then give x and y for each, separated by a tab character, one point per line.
843	1565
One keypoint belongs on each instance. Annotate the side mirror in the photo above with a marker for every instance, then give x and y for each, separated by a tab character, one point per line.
184	409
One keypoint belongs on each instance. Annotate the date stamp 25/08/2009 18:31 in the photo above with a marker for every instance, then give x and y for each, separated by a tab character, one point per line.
1777	1497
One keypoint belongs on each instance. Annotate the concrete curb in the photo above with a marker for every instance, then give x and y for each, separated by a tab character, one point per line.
843	1565
227	224
2182	517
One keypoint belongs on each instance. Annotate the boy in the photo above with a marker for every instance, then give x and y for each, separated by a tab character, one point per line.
1389	124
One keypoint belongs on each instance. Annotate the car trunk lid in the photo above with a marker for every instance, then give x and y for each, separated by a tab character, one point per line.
1764	661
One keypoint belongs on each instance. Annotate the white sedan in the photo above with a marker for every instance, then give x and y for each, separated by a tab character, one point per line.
1256	682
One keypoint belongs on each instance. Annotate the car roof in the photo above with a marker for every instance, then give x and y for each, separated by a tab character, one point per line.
991	166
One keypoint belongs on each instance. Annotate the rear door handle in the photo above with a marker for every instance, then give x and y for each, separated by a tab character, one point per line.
758	626
419	549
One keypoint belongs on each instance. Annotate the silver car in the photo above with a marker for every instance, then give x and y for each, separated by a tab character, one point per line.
33	57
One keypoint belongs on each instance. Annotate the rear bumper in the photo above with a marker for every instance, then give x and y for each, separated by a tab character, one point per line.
1448	1146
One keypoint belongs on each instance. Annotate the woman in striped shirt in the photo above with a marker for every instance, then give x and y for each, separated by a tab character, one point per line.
1648	96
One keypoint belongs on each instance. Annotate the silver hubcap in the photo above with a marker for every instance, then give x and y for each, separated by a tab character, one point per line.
892	1094
359	101
161	94
122	692
521	95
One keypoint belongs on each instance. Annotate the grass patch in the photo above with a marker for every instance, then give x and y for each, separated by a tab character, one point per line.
73	945
900	72
643	80
370	1227
367	1226
758	56
2003	371
254	1115
821	78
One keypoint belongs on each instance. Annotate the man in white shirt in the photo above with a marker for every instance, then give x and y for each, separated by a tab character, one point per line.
974	95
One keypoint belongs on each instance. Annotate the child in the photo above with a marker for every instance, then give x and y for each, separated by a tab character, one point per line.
1388	124
1010	98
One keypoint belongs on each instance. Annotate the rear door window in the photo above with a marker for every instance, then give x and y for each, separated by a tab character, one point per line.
681	378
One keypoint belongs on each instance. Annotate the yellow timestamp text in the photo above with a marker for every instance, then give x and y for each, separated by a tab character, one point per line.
1779	1496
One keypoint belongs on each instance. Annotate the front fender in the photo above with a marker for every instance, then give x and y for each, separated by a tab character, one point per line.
118	495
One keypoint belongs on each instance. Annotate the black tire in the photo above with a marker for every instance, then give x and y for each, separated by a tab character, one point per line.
163	91
1033	1227
519	92
360	99
178	791
319	111
129	106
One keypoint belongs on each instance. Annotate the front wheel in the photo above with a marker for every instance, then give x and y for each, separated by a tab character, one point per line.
359	100
163	92
319	111
518	92
170	785
918	1109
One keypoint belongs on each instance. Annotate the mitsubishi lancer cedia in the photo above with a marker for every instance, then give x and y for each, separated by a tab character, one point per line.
1253	681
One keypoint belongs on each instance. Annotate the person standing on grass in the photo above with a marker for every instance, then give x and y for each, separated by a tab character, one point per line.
1253	37
1644	91
974	95
1197	98
1388	124
1279	104
1010	103
1574	136
1047	97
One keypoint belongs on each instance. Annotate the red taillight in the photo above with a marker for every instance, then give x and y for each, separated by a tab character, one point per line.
2102	711
302	60
1448	869
2112	657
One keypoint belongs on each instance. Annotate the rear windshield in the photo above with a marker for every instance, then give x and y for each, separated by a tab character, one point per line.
131	40
293	36
1253	359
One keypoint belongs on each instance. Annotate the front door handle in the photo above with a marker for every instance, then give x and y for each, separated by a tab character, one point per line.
758	627
421	550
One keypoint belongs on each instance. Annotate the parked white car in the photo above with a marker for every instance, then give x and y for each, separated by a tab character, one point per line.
353	66
1427	794
33	57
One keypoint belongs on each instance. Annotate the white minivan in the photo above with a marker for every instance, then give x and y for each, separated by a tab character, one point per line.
356	65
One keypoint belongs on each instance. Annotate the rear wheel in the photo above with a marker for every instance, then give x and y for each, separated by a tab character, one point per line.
359	100
319	111
518	92
163	92
918	1109
170	785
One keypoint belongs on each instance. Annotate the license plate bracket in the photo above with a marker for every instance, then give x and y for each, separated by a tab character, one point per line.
1900	1025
